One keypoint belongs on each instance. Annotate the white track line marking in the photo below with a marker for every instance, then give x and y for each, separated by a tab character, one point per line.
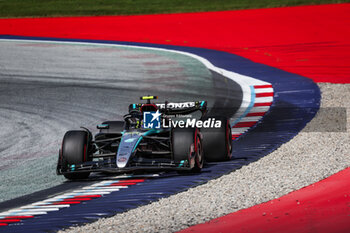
263	99
251	118
263	90
259	109
239	130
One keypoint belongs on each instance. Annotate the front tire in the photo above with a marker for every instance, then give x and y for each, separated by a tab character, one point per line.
75	150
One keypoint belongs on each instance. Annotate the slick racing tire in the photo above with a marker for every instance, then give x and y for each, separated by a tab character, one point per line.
75	150
217	142
187	147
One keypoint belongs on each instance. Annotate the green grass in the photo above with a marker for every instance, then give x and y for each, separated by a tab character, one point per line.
39	8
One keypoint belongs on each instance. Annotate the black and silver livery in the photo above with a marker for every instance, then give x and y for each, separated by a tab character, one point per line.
127	146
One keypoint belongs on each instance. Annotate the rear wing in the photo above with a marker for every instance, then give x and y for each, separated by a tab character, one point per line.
181	108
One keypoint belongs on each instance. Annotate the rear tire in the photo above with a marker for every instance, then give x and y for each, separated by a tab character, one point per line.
187	146
199	154
217	142
75	150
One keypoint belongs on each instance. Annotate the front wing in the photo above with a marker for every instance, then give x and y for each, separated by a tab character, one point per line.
111	167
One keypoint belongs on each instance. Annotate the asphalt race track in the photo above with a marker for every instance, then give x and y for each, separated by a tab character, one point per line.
48	88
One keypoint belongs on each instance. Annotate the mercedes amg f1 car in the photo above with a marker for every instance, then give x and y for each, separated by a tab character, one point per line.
132	145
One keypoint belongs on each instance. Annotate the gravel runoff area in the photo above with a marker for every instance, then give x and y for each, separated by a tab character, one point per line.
311	156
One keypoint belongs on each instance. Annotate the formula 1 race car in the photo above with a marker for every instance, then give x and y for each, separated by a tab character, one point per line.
149	139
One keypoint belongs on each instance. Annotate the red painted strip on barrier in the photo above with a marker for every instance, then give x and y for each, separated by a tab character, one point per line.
262	104
312	41
267	94
322	207
244	124
255	114
122	184
3	224
262	86
235	136
133	181
9	220
19	217
88	196
78	199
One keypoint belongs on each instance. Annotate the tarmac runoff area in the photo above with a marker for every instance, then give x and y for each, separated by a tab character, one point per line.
312	155
49	88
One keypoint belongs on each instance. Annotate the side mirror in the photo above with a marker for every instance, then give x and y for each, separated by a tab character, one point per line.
103	126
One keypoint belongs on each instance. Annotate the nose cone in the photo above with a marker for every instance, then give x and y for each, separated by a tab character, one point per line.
126	148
